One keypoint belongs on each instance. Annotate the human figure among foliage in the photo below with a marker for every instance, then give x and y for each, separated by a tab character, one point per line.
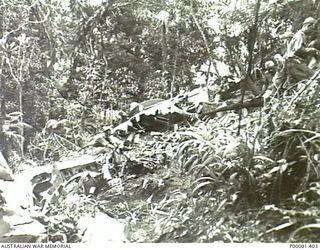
301	52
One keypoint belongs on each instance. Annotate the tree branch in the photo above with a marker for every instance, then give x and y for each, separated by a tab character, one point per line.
254	103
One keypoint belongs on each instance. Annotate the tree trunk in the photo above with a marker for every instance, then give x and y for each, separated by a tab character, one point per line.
21	129
173	88
18	78
164	47
3	148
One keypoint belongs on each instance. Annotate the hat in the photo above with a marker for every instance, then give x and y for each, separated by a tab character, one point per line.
278	57
269	64
309	20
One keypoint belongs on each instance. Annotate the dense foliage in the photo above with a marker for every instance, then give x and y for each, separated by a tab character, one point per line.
69	70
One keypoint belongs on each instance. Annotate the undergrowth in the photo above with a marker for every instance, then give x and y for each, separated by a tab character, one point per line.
225	179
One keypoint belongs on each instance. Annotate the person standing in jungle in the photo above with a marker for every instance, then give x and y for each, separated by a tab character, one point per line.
301	55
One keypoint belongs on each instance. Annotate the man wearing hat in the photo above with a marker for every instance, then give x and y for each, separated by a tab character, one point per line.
299	43
300	53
